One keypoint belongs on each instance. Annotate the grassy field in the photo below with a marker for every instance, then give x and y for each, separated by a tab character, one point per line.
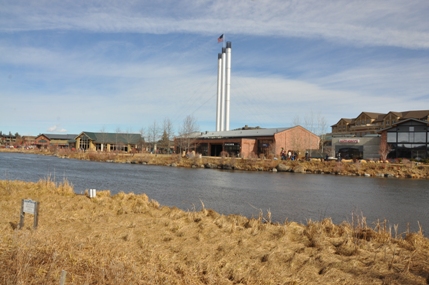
131	239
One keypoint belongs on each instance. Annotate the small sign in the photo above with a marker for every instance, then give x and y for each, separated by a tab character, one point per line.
29	206
349	141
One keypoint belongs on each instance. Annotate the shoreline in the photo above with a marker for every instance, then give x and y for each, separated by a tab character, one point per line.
406	169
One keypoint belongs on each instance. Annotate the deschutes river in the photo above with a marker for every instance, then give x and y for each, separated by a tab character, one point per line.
288	196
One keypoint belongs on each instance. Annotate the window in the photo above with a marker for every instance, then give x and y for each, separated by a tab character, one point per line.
84	142
403	137
419	137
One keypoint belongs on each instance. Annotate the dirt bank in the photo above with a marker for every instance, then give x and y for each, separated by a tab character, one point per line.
131	239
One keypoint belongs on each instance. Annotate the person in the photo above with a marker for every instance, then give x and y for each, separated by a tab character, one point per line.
306	155
283	154
289	154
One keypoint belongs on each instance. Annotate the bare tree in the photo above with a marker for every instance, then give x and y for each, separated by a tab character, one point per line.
323	124
187	133
129	139
102	138
142	140
153	135
316	124
296	121
384	150
167	134
118	139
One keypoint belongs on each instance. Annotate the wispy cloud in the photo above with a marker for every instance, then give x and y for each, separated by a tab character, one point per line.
394	23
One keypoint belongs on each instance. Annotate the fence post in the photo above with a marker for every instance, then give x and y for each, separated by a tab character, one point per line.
21	216
63	277
36	215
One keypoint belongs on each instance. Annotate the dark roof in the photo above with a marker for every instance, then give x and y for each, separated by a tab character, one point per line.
402	122
126	138
380	118
418	114
373	115
349	121
398	114
60	136
66	137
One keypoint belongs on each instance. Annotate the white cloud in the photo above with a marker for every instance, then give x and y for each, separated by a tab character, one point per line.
56	129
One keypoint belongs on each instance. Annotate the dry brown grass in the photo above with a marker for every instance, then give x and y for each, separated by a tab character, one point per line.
131	239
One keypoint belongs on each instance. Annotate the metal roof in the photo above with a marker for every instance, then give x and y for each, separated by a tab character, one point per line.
60	136
126	138
241	133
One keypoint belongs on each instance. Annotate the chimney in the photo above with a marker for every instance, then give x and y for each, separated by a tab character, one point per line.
223	88
219	91
227	84
222	96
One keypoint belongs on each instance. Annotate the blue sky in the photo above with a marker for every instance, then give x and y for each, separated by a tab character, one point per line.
72	66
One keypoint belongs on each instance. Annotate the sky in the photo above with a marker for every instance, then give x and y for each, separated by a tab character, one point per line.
72	65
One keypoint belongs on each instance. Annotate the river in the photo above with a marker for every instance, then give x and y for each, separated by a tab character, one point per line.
287	196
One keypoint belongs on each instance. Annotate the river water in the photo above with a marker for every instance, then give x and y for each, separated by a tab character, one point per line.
288	196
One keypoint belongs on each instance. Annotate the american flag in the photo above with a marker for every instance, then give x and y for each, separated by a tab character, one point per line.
220	39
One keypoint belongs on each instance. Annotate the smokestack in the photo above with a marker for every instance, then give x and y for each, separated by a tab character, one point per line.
222	98
219	91
227	84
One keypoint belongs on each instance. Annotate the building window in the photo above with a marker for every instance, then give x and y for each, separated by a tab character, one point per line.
391	137
84	142
232	148
419	137
403	137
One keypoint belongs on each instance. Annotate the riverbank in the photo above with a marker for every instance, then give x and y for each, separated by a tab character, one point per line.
131	239
404	169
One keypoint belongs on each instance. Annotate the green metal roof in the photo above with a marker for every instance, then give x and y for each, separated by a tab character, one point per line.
113	138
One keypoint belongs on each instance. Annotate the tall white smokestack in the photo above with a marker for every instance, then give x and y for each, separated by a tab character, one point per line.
222	97
219	91
227	84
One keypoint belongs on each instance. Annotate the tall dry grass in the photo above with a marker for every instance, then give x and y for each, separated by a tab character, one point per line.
131	239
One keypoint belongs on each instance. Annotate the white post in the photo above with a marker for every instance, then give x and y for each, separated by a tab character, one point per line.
63	277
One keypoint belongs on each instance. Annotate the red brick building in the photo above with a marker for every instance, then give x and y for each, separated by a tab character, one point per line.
249	142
